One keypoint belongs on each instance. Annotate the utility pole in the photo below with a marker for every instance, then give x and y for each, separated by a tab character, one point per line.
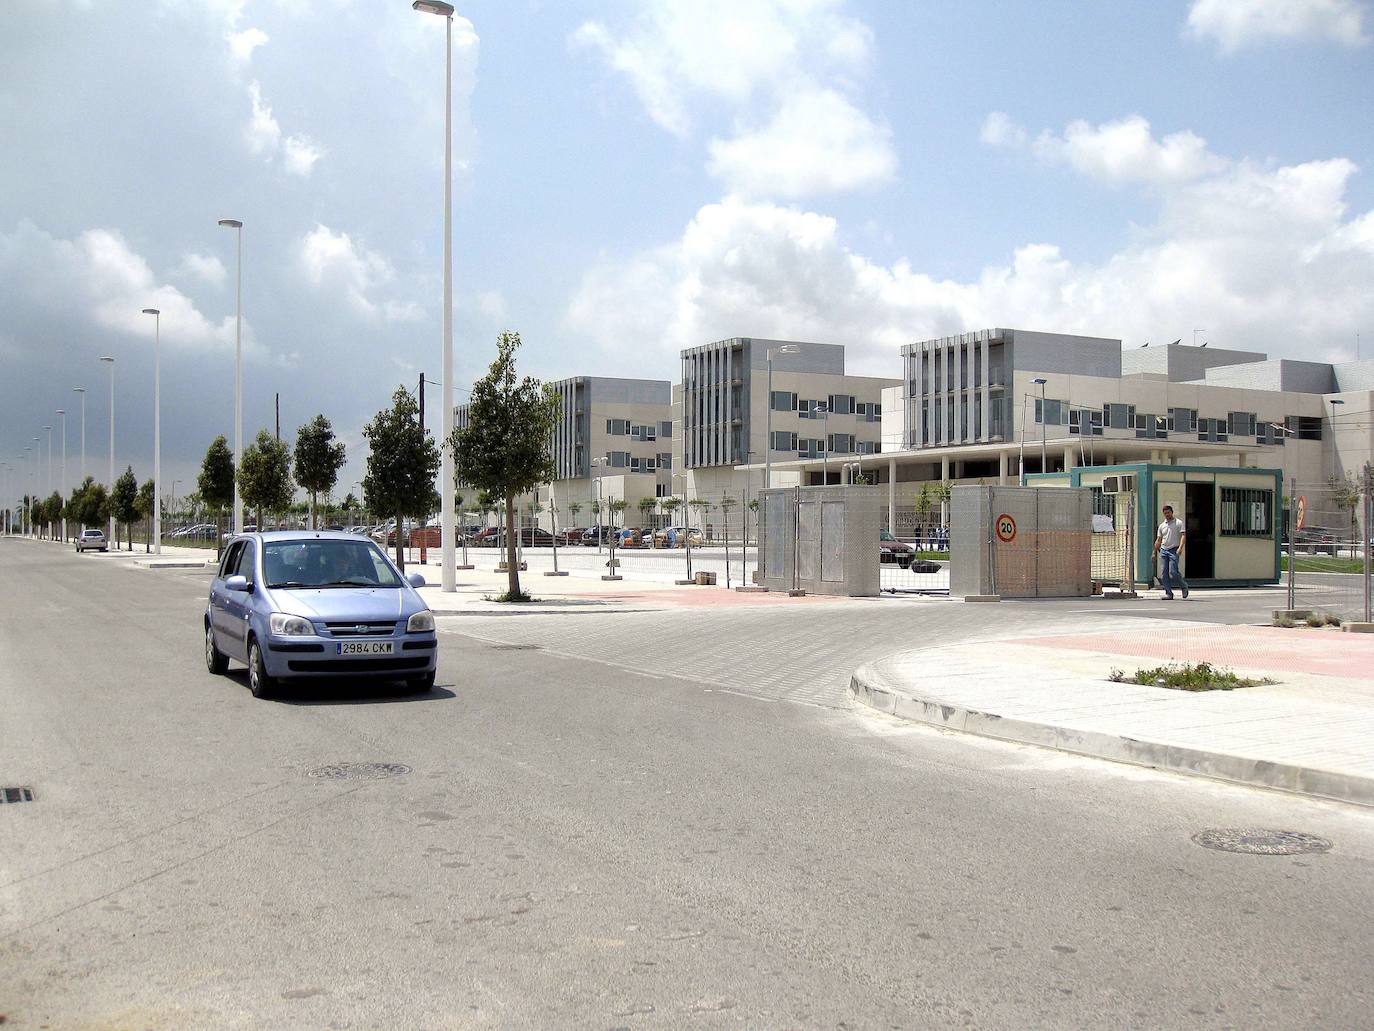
278	404
422	402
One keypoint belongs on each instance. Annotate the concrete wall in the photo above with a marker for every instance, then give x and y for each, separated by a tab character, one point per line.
1183	362
1064	353
1280	374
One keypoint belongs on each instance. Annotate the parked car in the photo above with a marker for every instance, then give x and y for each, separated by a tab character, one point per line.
92	540
676	537
890	549
571	535
305	604
229	535
595	535
534	537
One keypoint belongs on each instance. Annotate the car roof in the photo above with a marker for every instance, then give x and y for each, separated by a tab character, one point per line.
304	535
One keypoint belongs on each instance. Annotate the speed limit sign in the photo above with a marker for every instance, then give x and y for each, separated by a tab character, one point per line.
1006	528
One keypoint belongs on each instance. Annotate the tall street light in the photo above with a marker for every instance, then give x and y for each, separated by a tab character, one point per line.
28	492
157	429
33	474
82	392
110	361
1040	381
47	487
237	226
768	444
449	575
63	412
824	409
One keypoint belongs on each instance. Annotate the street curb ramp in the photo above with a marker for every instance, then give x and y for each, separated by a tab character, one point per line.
870	685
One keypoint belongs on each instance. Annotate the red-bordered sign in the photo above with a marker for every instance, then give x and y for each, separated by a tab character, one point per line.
1006	528
1302	511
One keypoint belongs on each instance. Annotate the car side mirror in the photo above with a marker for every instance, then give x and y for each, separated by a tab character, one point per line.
415	579
237	582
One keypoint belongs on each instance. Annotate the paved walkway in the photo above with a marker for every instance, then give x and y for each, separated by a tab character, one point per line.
1310	733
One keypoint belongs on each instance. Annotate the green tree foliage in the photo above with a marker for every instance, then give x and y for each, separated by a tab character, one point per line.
124	503
89	503
402	462
145	509
646	509
319	457
216	479
504	449
265	476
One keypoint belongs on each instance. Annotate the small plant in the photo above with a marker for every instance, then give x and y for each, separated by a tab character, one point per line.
1202	676
514	596
1284	621
1315	619
1332	619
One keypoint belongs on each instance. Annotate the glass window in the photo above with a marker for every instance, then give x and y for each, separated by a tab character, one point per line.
1183	420
665	430
783	401
784	441
665	460
618	427
1213	430
1241	424
245	563
230	560
841	404
1304	427
1246	512
324	562
841	443
619	459
1119	416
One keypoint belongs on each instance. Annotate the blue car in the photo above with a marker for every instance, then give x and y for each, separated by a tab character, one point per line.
299	605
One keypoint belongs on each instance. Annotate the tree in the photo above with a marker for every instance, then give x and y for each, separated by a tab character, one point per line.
144	509
646	509
1346	493
265	476
89	504
670	506
702	506
504	448
574	507
124	504
319	457
617	507
402	462
216	479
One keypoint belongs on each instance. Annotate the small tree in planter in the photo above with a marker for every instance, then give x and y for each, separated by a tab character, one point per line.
319	457
702	507
670	505
402	461
124	504
646	513
574	507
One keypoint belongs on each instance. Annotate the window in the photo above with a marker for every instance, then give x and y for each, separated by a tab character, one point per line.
783	401
869	411
1119	417
643	433
1269	433
665	460
660	490
1213	430
1183	420
1089	417
641	465
665	430
1051	412
841	443
869	447
1246	512
1151	427
619	459
841	404
231	560
618	427
1241	424
806	408
784	441
809	448
1304	427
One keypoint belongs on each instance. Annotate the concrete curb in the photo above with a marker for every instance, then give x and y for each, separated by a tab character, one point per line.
867	686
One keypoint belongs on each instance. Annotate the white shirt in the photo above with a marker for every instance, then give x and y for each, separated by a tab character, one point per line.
1170	534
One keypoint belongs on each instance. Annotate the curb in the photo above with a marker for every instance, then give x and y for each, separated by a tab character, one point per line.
868	687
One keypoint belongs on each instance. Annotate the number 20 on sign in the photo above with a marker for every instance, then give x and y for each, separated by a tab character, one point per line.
1006	528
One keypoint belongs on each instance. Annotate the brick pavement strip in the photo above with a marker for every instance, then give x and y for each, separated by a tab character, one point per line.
1307	734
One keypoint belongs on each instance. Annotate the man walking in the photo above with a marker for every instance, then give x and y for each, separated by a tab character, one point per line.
1169	541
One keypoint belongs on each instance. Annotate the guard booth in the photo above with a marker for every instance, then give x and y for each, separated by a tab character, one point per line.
821	540
1020	542
1232	515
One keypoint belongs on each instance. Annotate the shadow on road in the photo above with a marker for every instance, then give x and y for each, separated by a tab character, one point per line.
346	692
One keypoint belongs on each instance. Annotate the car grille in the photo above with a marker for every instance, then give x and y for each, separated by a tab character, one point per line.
346	666
361	628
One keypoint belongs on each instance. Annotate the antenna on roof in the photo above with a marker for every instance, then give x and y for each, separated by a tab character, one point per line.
1145	344
1176	342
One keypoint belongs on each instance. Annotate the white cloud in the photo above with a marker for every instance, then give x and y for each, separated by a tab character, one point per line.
785	70
242	44
262	132
1235	24
299	153
816	142
1117	152
1266	257
335	261
98	277
206	268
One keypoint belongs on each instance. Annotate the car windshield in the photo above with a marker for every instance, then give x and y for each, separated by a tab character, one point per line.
322	562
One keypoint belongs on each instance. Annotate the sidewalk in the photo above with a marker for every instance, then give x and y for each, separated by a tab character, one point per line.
1310	733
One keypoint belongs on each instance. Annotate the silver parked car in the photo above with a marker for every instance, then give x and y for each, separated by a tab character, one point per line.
92	540
308	604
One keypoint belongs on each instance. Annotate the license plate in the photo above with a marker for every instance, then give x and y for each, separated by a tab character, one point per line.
364	648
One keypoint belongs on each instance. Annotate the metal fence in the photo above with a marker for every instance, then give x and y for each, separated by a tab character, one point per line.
1326	549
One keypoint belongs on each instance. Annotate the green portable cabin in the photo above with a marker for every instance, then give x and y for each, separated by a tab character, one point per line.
1232	515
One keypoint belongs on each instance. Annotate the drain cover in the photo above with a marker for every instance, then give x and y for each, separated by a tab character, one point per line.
515	647
16	794
359	771
1257	841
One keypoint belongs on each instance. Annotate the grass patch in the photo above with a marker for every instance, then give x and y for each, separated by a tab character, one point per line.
507	596
1322	564
1188	676
934	556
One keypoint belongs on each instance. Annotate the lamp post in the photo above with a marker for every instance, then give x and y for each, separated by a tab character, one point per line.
237	226
28	493
47	484
110	361
63	486
447	520
596	499
1040	381
33	476
157	429
82	392
824	409
768	444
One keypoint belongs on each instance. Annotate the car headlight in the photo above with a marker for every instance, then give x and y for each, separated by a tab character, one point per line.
284	625
420	623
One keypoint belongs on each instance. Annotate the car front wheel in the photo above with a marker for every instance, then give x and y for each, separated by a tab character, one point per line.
258	681
215	660
421	684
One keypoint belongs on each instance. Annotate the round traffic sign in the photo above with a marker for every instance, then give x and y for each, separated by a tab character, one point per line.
1006	528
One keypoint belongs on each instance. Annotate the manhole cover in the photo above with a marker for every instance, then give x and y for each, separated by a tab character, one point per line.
359	771
16	794
515	647
1257	841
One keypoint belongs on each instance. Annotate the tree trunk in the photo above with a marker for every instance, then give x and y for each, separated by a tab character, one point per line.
400	547
512	568
313	524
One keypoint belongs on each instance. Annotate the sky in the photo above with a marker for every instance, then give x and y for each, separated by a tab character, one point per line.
633	178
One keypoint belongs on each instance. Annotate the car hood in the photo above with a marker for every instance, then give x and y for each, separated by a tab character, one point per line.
339	603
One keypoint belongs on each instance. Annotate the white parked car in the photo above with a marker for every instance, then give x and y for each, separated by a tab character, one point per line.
92	540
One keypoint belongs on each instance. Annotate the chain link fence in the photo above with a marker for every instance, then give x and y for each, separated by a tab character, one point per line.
1325	561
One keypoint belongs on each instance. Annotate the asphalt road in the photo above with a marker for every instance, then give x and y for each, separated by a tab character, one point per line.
580	844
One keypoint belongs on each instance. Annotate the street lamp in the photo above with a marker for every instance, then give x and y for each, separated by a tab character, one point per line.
33	475
28	493
449	574
1040	381
82	392
237	226
768	444
110	361
63	412
157	429
596	500
47	485
824	409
